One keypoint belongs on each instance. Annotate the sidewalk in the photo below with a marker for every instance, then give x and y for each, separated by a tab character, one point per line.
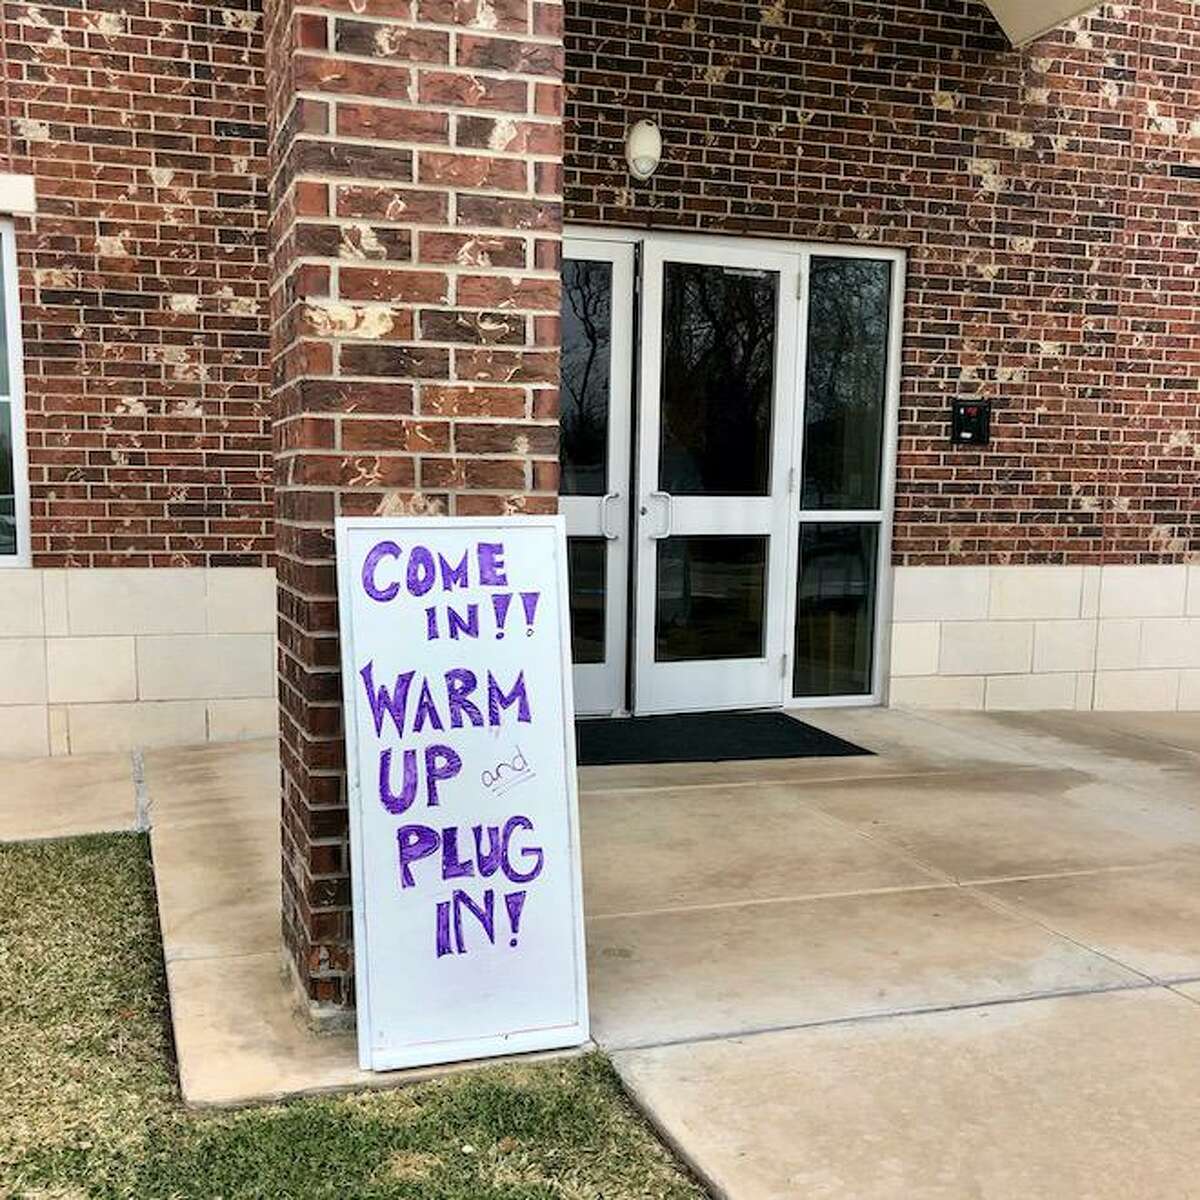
967	966
974	982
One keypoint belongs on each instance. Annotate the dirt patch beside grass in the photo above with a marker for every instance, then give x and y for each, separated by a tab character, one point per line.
89	1105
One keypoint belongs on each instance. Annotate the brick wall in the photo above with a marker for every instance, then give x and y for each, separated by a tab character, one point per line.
416	219
143	279
1049	200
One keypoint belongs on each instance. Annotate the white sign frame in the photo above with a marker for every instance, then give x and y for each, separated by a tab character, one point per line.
572	1033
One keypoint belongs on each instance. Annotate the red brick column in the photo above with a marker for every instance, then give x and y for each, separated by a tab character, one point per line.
416	219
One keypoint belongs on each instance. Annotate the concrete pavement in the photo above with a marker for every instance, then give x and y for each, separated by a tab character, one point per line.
972	977
968	966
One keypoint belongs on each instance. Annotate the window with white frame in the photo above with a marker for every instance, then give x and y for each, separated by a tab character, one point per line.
14	476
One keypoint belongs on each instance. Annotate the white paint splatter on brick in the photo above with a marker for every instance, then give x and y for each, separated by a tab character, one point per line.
332	319
56	277
1037	95
1019	244
1165	540
107	24
473	254
35	17
1159	121
396	504
364	244
1019	139
774	15
484	16
113	245
184	302
987	172
32	131
389	40
945	101
247	22
242	306
1082	38
161	176
504	131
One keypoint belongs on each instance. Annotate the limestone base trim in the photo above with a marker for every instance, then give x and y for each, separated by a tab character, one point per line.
118	659
1104	638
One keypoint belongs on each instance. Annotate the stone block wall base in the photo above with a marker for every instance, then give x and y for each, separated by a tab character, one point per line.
1112	638
99	660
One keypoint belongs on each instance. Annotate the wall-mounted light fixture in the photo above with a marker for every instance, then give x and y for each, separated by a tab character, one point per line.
643	149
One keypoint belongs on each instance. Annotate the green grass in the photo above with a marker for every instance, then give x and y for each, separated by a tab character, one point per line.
89	1105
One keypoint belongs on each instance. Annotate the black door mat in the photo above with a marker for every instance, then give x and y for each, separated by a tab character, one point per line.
703	737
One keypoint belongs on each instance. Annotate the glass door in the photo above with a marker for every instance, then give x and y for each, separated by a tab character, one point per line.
846	450
716	399
594	481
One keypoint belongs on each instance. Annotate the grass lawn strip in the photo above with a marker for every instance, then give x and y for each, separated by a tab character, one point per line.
89	1105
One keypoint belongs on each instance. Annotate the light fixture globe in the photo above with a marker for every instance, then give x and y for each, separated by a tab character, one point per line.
643	149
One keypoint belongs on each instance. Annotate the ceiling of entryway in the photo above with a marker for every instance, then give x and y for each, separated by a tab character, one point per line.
1024	20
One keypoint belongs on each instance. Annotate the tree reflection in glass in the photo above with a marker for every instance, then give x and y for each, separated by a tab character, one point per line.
835	610
586	369
8	503
718	368
848	306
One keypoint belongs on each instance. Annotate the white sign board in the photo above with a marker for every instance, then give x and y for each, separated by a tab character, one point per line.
464	821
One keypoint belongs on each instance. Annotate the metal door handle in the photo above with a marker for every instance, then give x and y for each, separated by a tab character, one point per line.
669	501
610	498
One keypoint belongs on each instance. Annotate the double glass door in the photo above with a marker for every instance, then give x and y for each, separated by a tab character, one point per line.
711	565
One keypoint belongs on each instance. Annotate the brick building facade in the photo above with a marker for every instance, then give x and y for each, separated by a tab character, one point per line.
143	281
309	258
1049	200
415	240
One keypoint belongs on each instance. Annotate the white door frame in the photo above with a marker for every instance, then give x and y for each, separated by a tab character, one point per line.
884	516
600	687
11	317
716	683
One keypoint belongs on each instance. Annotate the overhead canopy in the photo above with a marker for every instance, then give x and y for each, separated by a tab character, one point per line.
1024	20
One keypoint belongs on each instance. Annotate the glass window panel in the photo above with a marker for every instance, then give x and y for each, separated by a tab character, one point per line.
4	380
709	598
846	382
6	449
586	568
586	377
8	526
718	380
835	610
8	504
